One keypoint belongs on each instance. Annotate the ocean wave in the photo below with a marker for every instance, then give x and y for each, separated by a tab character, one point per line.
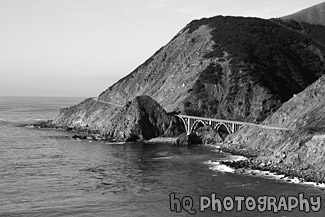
283	178
115	143
217	166
5	122
166	157
235	158
19	122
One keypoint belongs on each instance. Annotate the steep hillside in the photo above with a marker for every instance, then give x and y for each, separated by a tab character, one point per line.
311	15
301	149
226	67
260	65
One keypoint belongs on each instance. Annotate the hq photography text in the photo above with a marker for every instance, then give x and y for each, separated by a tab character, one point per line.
265	203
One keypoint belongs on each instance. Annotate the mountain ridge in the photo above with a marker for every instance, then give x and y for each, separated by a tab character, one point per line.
312	15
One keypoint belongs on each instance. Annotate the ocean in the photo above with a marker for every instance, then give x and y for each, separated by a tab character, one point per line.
46	173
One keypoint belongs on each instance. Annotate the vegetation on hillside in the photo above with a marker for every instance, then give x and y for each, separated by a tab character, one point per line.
269	54
315	32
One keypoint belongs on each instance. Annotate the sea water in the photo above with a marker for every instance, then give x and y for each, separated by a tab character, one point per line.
47	173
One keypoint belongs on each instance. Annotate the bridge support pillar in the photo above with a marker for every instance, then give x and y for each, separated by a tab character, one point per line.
233	128
187	123
189	127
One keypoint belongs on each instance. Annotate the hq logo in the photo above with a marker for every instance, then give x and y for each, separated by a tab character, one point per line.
239	203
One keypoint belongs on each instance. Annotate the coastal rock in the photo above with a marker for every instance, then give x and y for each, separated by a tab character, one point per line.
79	137
186	140
142	119
182	140
208	135
205	135
42	124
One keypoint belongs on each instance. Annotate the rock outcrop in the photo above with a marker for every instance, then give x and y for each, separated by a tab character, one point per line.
208	136
143	119
140	119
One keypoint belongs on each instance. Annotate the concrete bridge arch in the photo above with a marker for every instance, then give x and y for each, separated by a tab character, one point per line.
191	123
196	125
226	126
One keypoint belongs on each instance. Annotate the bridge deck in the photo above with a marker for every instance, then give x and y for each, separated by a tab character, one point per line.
234	122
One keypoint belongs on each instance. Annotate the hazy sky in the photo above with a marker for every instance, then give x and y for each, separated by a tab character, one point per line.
81	47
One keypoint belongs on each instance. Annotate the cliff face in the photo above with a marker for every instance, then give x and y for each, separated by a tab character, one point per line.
222	67
303	145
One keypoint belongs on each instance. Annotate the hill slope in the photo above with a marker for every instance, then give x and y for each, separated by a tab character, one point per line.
303	145
224	67
311	15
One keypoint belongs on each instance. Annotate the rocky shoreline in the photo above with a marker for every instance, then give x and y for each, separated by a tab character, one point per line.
77	133
249	164
86	134
235	166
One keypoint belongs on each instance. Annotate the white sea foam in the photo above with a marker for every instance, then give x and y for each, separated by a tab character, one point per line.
217	166
166	157
115	143
216	148
318	185
236	158
283	178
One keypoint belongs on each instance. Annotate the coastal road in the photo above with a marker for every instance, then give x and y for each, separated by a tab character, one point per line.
209	119
109	103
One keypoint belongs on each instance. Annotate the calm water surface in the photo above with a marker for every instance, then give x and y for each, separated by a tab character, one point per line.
46	173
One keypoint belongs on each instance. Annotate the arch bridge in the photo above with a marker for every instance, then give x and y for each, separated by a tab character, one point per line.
191	123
